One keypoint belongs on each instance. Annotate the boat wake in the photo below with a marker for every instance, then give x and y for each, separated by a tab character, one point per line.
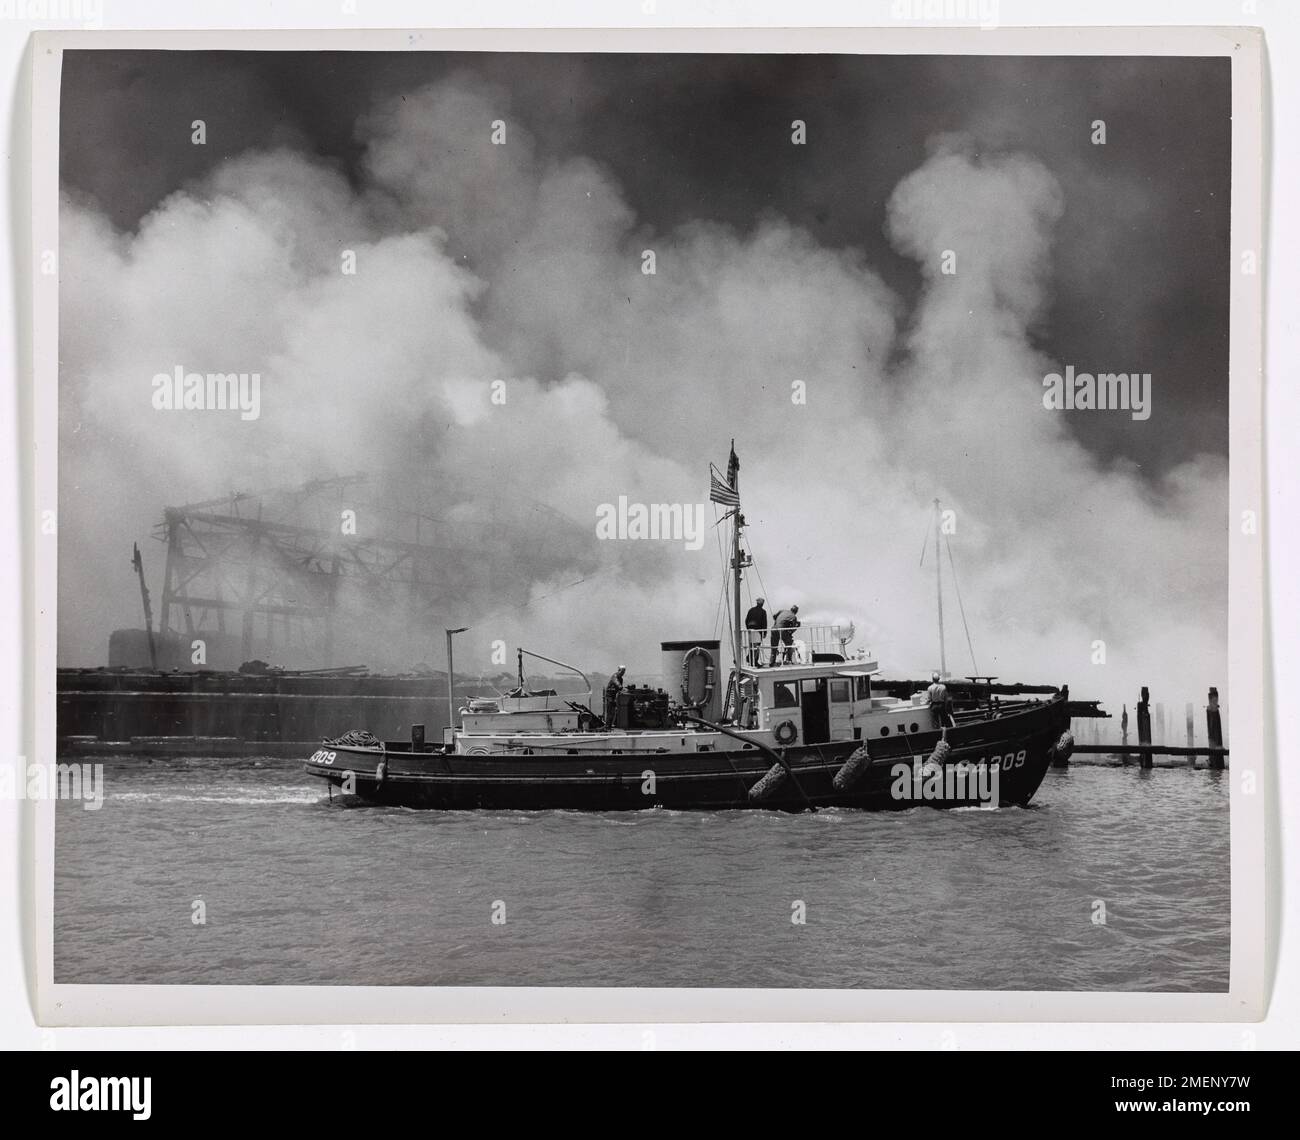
234	796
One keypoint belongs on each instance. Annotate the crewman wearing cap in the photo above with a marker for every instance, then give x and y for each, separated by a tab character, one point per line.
784	623
756	631
939	699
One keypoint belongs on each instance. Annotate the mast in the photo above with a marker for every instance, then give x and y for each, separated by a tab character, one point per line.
726	492
737	521
938	584
735	561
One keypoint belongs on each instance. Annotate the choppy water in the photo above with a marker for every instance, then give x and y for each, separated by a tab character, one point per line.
298	890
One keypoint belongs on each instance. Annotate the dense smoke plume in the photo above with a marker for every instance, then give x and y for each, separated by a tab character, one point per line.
478	263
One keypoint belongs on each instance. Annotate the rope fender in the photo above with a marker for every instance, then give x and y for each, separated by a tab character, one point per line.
851	770
768	783
1062	750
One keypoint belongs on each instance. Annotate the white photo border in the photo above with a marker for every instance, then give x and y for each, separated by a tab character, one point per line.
1253	783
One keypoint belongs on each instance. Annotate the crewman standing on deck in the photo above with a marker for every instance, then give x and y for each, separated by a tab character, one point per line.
613	687
939	699
755	629
784	623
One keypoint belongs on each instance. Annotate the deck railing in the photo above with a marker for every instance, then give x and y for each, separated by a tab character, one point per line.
802	643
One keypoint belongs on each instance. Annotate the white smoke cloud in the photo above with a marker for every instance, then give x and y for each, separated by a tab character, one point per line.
479	263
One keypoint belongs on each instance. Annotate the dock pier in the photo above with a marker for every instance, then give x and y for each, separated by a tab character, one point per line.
1146	751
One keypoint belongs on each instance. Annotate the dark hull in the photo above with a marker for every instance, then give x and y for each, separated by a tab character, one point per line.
1018	741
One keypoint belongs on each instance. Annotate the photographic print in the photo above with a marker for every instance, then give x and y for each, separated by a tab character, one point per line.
665	518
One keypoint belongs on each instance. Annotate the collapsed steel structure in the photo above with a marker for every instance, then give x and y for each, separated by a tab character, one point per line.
270	565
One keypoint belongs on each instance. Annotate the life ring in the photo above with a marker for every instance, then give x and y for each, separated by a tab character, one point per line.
692	655
786	732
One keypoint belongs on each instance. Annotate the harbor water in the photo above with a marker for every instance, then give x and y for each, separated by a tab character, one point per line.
220	872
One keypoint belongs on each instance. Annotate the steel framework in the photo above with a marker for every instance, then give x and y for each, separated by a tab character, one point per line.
272	564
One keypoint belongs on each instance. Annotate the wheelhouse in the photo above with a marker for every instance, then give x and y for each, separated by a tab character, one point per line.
826	701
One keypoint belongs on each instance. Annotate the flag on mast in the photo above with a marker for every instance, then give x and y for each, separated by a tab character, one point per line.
721	490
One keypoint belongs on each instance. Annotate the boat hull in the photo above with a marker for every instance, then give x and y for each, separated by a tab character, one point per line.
994	761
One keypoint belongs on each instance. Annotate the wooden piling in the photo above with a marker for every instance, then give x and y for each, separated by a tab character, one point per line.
1144	725
1214	728
1191	733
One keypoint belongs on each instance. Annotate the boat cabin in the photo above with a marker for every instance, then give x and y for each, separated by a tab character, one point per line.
826	701
796	702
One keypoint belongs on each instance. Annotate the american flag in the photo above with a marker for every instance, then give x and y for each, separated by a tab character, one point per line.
725	492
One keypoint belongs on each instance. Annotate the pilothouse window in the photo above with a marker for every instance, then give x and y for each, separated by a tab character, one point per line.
783	696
